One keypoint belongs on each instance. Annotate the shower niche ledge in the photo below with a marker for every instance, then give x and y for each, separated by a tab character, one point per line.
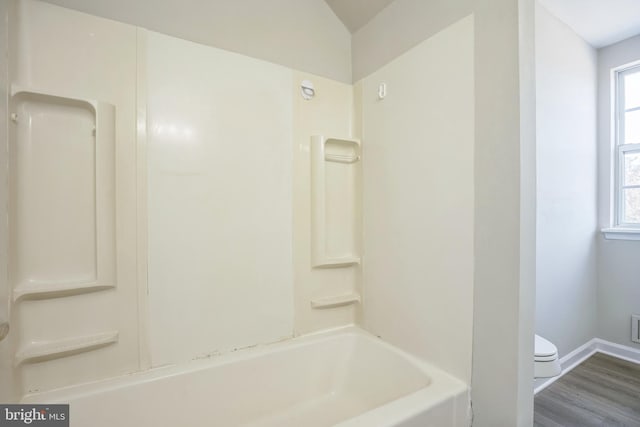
335	301
56	290
43	351
335	205
61	195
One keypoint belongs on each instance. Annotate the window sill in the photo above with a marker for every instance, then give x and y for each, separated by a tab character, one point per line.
621	233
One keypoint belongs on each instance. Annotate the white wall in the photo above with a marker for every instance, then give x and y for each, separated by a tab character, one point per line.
618	266
418	200
504	268
566	273
301	34
220	197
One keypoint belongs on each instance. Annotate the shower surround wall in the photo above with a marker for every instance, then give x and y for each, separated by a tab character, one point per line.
218	156
330	114
50	326
219	181
228	158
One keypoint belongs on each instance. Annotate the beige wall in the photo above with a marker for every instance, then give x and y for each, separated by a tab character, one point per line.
419	198
301	34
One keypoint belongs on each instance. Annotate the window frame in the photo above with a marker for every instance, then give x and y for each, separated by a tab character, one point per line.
620	148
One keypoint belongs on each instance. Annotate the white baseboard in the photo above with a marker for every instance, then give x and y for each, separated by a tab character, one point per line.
624	352
580	354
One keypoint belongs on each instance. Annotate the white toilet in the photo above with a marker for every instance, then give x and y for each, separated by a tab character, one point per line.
546	359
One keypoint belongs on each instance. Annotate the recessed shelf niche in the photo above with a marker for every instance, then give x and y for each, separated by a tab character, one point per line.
61	195
335	166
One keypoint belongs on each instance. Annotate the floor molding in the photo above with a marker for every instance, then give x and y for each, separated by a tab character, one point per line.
580	354
624	352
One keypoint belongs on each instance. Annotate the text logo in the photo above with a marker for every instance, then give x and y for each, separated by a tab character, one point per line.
34	415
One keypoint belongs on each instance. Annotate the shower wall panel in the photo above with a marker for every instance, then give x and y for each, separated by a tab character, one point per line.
219	179
330	113
72	199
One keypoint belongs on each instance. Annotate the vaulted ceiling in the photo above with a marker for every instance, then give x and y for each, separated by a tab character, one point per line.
356	13
599	22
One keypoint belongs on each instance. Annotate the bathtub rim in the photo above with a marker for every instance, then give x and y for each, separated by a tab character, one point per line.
442	386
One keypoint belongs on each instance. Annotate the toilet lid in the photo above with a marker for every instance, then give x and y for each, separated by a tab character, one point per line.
544	348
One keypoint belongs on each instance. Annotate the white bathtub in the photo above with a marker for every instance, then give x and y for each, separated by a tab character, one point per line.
345	377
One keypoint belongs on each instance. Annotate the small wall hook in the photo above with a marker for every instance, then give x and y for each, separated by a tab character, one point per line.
382	90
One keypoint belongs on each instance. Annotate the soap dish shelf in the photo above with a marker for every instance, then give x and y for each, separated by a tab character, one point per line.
56	290
48	350
337	301
338	158
338	262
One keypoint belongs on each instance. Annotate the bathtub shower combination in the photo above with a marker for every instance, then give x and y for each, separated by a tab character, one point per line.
344	377
185	236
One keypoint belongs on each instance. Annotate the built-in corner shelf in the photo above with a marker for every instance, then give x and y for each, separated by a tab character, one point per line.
335	205
337	301
338	262
56	290
342	158
48	350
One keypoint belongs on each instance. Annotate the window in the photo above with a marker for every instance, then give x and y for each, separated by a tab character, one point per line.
627	148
